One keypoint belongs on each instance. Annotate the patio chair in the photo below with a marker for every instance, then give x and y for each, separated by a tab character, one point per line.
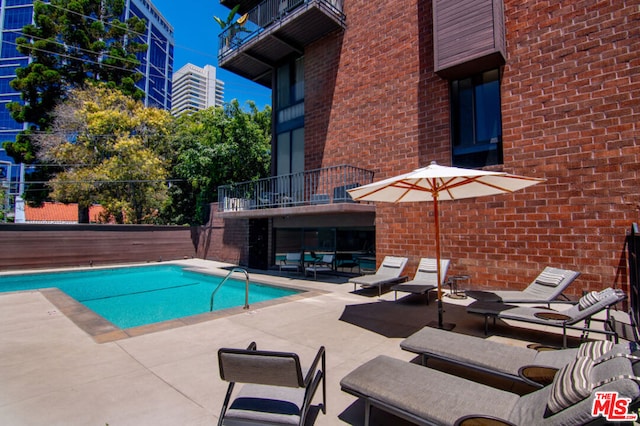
535	367
426	278
277	390
545	288
582	312
389	272
291	262
346	260
325	264
431	397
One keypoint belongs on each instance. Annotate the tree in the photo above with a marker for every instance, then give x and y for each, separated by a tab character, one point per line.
71	43
112	150
214	147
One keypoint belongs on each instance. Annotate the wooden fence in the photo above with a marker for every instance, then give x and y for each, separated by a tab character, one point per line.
42	246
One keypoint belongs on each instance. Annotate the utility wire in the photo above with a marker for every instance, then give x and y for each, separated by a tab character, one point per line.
53	41
153	37
78	58
151	66
48	182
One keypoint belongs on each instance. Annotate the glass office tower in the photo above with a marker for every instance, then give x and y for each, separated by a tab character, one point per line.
156	64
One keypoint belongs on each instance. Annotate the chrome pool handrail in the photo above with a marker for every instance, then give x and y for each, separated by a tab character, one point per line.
246	291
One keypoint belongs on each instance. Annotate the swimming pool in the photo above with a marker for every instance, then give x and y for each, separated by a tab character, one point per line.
134	296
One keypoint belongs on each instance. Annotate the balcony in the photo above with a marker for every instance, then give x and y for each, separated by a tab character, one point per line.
274	30
312	192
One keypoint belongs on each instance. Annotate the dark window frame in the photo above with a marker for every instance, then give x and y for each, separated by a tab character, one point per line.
478	144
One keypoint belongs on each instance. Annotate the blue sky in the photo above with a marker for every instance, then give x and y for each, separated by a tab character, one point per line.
196	42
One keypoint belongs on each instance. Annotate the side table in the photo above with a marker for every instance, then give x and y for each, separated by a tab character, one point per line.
453	281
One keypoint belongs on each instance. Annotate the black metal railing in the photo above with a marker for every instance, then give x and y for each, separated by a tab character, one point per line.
320	186
266	14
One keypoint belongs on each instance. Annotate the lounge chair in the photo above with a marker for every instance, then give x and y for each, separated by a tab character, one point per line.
325	264
583	311
430	397
389	272
426	278
547	287
517	363
276	390
291	262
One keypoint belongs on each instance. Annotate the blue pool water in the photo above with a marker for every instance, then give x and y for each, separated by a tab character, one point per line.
134	296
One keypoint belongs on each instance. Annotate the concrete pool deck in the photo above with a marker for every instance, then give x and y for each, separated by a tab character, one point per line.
54	372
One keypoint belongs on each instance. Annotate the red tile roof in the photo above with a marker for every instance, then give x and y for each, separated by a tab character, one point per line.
59	213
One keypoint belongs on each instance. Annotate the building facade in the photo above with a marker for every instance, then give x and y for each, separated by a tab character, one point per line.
196	88
156	64
542	89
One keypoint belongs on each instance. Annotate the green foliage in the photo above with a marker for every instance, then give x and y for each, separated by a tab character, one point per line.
231	28
71	43
229	21
117	156
214	147
3	204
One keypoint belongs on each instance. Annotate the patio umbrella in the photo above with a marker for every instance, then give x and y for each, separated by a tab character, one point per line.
435	183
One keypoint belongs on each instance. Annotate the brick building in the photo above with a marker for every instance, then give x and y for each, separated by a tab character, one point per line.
539	88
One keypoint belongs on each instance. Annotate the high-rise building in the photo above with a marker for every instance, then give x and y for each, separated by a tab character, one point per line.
196	88
156	64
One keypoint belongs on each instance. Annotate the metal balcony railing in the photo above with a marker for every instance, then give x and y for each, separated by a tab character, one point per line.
320	186
266	14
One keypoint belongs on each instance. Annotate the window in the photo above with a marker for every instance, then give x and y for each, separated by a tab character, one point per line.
476	121
290	81
17	18
9	45
289	109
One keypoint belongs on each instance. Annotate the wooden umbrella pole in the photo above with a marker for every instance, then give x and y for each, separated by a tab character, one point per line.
437	220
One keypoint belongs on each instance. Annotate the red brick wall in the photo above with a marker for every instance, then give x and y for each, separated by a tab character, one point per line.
224	240
570	92
361	89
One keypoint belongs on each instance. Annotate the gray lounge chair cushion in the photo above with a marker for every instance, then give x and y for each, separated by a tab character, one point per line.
546	287
436	397
488	355
575	314
426	393
426	277
388	272
263	405
469	350
571	384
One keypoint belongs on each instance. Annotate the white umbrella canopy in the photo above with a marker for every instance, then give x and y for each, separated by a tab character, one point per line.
441	182
434	183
